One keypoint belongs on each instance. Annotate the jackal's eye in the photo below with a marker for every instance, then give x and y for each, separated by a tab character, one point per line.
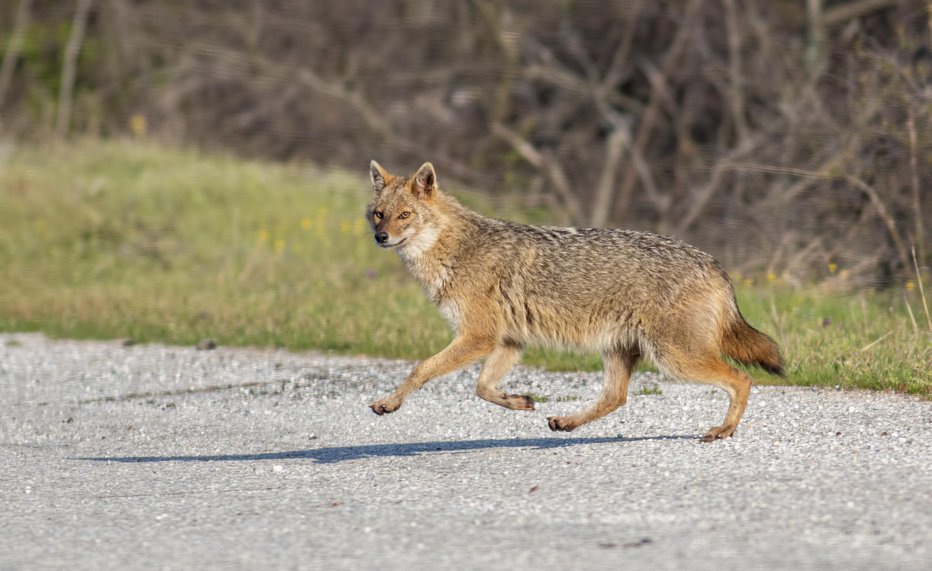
405	214
378	214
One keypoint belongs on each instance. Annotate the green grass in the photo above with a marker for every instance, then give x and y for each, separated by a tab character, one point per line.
125	240
649	389
865	340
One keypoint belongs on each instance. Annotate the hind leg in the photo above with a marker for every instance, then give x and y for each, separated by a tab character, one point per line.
713	370
503	357
618	366
738	386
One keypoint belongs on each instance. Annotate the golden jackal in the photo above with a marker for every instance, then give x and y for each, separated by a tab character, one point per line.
504	285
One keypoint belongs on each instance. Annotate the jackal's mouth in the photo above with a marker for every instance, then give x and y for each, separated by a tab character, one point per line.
387	246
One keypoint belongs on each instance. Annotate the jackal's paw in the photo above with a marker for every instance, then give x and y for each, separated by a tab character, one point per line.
385	406
718	433
563	423
519	402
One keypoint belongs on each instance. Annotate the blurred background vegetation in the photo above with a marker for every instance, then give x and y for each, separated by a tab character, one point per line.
172	170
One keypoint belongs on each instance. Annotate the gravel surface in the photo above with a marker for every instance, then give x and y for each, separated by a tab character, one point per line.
148	456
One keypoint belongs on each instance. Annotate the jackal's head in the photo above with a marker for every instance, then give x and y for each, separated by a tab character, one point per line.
402	210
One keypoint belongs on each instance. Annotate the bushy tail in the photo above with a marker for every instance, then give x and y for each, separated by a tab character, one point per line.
749	346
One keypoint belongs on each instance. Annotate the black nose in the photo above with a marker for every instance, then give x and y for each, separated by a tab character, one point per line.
381	237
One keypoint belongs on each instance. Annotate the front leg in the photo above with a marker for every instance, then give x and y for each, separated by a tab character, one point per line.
460	352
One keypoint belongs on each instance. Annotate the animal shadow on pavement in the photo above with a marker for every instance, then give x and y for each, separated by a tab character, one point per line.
330	455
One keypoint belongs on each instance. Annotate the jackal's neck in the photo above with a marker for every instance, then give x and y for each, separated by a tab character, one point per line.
431	255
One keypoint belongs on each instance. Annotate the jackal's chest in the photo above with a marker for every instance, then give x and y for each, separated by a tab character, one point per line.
433	278
440	292
436	279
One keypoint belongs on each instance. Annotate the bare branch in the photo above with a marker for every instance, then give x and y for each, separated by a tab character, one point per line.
69	66
702	197
884	215
14	46
651	114
914	180
816	32
618	140
844	11
548	165
660	201
615	71
736	97
867	189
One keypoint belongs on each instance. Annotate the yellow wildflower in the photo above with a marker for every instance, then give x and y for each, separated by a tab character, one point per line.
138	124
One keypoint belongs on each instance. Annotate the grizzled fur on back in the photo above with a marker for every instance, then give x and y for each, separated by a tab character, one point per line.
512	284
590	288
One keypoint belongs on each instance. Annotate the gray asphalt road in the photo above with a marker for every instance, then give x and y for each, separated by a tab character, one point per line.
166	457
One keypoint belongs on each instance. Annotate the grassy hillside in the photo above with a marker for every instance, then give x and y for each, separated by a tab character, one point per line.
121	240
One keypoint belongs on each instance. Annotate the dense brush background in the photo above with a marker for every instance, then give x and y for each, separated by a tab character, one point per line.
789	137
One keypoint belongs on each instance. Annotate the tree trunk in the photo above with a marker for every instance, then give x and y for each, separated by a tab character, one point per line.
69	66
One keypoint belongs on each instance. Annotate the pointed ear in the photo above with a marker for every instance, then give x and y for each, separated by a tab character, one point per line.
424	182
380	177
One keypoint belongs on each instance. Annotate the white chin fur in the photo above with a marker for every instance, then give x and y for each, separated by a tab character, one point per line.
419	244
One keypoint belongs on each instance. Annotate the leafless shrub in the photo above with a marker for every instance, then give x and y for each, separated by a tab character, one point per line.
788	137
